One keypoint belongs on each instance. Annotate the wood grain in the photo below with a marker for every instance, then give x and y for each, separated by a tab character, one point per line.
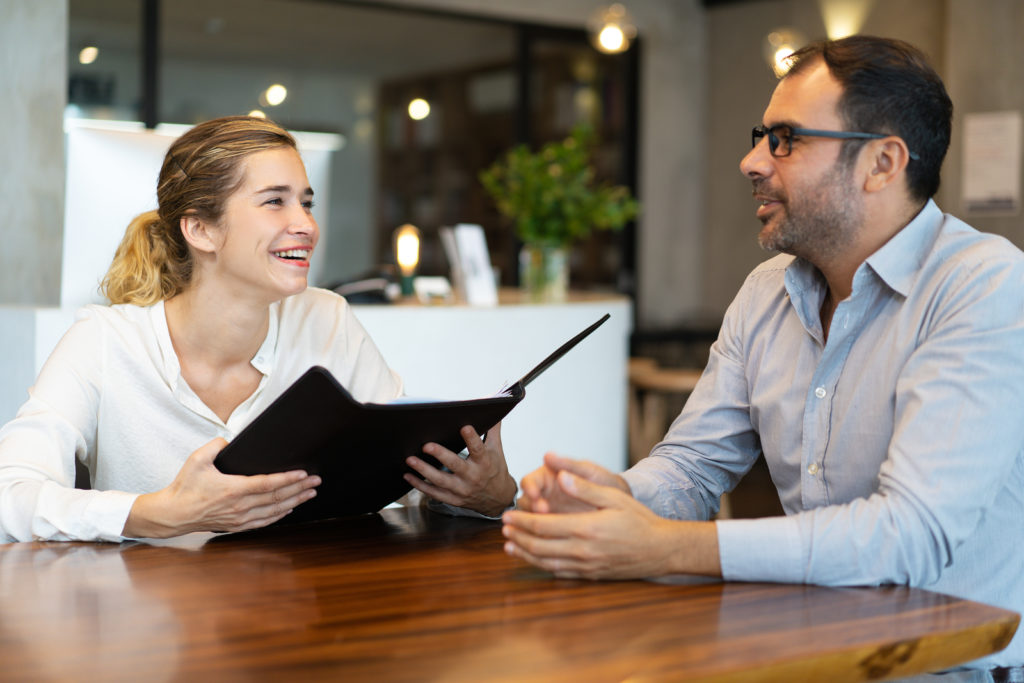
409	595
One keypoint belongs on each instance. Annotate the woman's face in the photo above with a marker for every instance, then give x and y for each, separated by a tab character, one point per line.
267	233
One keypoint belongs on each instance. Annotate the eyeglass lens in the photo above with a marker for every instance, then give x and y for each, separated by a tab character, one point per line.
777	136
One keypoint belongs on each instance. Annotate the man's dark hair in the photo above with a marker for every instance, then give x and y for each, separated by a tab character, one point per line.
888	87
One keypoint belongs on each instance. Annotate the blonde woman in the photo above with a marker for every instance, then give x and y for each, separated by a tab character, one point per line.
211	319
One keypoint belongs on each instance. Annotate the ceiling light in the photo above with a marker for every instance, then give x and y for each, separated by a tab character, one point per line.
611	29
88	54
275	94
844	17
256	113
419	109
779	45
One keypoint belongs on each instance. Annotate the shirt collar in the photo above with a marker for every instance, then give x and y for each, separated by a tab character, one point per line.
169	359
264	360
898	262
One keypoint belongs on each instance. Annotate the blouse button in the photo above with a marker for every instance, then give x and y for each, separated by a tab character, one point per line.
820	392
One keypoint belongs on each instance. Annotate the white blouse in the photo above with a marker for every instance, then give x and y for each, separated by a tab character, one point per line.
112	395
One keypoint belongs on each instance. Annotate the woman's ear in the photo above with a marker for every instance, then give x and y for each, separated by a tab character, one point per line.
197	233
888	159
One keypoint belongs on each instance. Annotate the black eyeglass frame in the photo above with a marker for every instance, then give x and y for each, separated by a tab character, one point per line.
759	132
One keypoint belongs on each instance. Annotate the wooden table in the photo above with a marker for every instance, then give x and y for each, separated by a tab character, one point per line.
409	595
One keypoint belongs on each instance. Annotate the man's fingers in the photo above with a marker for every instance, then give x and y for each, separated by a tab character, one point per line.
598	495
562	567
567	525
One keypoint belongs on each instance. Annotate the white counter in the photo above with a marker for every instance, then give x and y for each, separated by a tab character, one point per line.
576	408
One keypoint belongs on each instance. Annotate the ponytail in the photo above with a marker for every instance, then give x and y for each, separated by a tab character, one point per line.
151	264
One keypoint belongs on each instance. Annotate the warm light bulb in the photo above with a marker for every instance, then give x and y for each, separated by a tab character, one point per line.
419	109
779	46
611	38
256	113
611	29
407	248
781	55
88	55
276	94
844	17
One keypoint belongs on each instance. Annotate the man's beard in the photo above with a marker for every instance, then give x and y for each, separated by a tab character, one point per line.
820	223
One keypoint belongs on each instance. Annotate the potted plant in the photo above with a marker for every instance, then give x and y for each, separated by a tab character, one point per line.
553	200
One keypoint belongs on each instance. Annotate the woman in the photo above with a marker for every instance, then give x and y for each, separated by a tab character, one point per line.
211	319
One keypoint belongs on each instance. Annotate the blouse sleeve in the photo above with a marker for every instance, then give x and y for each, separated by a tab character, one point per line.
39	446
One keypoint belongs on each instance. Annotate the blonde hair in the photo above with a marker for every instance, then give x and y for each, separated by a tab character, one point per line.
200	171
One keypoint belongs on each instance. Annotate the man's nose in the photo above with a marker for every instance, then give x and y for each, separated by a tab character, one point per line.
758	161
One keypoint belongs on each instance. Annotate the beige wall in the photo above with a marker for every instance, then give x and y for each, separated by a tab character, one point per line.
33	37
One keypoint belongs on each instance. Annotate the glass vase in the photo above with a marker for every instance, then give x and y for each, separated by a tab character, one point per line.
544	272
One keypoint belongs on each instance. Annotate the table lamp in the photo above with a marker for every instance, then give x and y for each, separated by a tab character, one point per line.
407	254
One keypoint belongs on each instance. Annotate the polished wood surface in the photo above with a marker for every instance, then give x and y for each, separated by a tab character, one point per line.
410	595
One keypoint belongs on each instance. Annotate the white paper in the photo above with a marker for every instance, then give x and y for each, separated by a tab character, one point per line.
477	272
991	172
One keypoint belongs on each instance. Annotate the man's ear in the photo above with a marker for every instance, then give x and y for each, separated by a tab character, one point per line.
887	160
197	233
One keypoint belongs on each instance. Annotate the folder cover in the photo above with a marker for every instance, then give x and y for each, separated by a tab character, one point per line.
359	449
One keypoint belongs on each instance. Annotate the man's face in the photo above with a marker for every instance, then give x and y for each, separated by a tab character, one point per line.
808	205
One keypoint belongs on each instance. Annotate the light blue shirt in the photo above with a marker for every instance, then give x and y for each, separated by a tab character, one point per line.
897	446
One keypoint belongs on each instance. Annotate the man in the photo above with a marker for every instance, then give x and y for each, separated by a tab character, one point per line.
878	364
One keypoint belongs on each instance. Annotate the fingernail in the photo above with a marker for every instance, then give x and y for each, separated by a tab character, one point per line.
568	481
510	548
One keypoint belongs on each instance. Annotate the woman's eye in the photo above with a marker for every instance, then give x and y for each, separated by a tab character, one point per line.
275	201
308	204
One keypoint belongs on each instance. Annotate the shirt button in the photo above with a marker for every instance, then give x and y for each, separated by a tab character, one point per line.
812	469
820	392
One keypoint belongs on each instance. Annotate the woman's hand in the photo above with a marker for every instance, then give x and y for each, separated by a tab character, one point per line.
481	482
202	498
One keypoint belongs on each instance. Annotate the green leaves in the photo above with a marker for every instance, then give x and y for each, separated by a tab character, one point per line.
551	194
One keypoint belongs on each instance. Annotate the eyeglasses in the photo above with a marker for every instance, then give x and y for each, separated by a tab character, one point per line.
780	138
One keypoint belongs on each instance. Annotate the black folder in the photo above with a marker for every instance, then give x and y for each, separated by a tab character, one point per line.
359	449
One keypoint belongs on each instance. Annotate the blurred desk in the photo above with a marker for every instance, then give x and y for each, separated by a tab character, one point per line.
410	595
577	407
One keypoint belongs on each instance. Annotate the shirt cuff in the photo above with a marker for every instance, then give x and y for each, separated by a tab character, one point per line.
108	514
767	549
452	511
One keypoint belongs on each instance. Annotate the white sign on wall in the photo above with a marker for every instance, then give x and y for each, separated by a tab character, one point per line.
991	174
